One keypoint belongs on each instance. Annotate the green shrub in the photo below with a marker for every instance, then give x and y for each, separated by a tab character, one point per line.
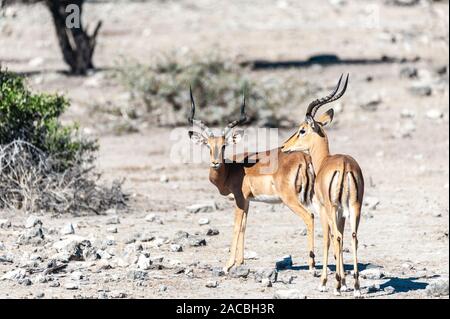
33	118
45	166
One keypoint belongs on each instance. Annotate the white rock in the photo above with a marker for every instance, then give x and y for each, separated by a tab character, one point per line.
5	223
372	273
76	275
32	221
71	286
407	114
203	221
36	62
434	114
15	274
163	179
112	230
176	248
265	282
371	202
249	255
212	284
206	207
113	220
438	288
150	217
144	262
67	229
288	294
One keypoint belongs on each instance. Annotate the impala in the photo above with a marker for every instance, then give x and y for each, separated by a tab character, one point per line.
250	180
338	188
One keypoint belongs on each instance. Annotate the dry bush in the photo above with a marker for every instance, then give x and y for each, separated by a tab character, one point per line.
160	92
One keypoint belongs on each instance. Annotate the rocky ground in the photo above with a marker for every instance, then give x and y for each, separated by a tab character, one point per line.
173	241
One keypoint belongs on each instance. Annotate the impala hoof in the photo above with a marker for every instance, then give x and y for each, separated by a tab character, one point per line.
322	288
357	293
337	292
344	288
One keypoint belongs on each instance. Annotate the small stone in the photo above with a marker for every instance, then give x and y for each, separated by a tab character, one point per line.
371	104
212	284
212	232
67	229
144	262
150	217
288	294
389	290
438	288
407	266
218	272
434	114
176	248
239	272
409	72
5	223
373	288
163	179
303	231
206	207
112	230
71	286
420	89
137	275
113	220
197	241
162	288
284	263
32	221
54	284
16	274
372	273
39	295
407	114
76	275
265	282
250	255
371	203
203	221
25	282
437	214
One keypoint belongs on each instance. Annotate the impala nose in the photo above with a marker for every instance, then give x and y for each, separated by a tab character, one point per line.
215	165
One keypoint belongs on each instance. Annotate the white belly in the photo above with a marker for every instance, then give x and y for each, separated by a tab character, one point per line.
270	199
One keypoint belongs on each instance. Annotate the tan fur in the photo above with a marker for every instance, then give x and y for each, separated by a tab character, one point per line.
339	187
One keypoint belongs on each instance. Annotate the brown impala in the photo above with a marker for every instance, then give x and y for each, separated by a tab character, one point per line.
290	183
338	188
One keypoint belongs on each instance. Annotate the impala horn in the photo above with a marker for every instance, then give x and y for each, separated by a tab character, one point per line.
241	120
316	104
197	123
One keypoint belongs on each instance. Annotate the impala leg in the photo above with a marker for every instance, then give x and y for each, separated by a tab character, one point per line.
308	219
239	213
326	248
355	214
341	226
337	239
241	241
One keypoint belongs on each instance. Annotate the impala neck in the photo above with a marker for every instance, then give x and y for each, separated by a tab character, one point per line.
219	176
319	151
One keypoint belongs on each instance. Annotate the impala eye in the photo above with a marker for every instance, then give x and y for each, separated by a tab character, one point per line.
302	132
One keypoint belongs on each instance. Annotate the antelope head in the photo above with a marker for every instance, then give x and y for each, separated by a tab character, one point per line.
216	143
311	129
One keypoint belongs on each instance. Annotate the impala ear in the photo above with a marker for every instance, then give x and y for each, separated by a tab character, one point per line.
197	138
235	137
326	118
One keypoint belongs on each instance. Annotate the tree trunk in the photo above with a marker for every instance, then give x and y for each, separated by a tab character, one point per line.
76	45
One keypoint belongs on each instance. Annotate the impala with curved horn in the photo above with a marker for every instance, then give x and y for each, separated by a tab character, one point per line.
338	188
249	179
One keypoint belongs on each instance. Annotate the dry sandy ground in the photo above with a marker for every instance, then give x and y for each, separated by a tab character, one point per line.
406	235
